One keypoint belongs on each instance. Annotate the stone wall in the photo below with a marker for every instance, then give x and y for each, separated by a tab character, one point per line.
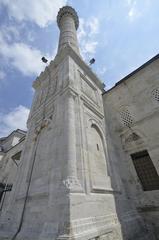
132	114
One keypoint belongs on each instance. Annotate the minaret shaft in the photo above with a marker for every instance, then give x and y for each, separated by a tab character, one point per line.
68	23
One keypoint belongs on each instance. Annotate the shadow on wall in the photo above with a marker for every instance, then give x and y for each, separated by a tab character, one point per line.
132	224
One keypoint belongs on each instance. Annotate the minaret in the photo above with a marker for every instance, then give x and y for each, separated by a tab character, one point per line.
68	23
63	190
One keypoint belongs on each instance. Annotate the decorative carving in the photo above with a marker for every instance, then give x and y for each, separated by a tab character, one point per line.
131	141
53	86
71	93
44	123
126	117
155	94
107	236
88	104
132	137
72	184
93	225
89	89
69	11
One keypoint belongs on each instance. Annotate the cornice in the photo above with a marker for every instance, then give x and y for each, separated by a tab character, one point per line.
68	51
43	75
132	74
91	106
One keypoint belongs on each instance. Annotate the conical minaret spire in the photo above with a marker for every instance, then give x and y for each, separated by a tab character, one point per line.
68	22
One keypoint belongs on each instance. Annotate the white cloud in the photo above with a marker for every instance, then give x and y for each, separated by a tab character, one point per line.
31	36
101	71
81	32
40	12
9	32
93	24
87	33
2	75
2	78
16	118
90	47
130	2
21	56
134	12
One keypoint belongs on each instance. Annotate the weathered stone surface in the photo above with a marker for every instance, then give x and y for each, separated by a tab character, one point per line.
135	96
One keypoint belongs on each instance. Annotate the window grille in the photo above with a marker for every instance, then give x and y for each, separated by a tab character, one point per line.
146	171
155	94
5	188
126	117
2	187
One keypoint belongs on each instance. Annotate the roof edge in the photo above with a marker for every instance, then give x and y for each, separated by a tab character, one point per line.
16	130
134	72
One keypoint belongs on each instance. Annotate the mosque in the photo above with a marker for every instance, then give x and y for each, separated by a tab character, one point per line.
88	166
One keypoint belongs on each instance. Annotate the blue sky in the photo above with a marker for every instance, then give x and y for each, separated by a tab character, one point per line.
121	35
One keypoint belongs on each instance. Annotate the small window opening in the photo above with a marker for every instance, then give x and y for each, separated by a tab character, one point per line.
17	156
97	147
4	188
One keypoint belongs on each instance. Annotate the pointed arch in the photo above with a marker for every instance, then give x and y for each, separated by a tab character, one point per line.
133	139
97	156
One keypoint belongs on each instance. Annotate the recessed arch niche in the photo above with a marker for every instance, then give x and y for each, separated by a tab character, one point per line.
97	158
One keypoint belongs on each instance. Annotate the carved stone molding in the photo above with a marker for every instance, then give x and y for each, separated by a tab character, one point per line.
72	184
91	106
132	137
54	86
91	228
133	140
69	11
70	92
43	124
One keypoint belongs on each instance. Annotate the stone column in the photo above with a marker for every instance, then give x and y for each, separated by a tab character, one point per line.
71	182
68	23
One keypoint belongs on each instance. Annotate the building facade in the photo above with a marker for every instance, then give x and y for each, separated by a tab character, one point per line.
88	166
132	114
